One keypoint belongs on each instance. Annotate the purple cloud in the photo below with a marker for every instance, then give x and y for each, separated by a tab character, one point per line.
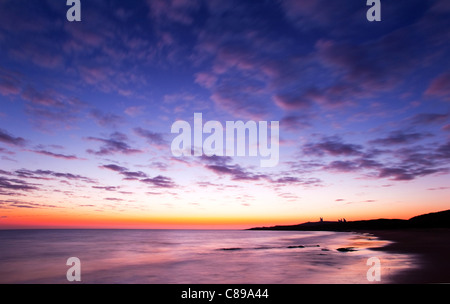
343	166
9	139
400	138
115	168
173	11
10	204
440	87
297	100
56	155
48	109
115	144
48	174
216	160
10	83
106	119
444	151
293	180
332	146
46	98
236	172
15	184
129	175
151	137
406	173
295	122
113	199
106	188
160	182
429	118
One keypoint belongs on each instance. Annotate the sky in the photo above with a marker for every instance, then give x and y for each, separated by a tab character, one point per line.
86	110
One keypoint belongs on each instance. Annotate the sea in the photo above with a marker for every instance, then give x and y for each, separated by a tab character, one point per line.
196	257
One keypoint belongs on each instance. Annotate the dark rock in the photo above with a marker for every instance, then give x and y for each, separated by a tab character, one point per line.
346	249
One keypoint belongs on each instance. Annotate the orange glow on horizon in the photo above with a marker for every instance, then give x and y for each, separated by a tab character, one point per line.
49	220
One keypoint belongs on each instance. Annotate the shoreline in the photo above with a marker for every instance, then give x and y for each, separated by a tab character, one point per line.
430	246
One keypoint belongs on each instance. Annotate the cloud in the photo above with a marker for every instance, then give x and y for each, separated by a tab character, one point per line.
406	173
293	180
113	199
46	174
360	163
51	118
295	122
295	100
45	98
151	137
320	14
343	166
221	165
6	151
10	83
115	144
205	79
9	139
64	175
129	175
160	182
10	204
56	155
41	52
173	11
15	184
135	111
115	168
400	138
241	97
244	59
216	160
444	151
106	119
429	118
332	146
398	163
440	87
106	188
49	110
236	172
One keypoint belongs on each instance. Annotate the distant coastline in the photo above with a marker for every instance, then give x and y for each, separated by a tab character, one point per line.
426	236
439	219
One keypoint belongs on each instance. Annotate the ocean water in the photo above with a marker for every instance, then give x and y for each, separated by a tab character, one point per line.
194	256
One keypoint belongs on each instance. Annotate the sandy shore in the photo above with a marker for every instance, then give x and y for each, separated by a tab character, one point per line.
432	247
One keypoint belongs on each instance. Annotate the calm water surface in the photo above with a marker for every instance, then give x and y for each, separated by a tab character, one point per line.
193	256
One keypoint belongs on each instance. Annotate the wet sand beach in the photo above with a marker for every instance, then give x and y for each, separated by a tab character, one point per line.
432	248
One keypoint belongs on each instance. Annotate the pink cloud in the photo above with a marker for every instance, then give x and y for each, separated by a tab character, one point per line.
9	83
43	54
207	80
177	11
134	111
44	98
440	87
